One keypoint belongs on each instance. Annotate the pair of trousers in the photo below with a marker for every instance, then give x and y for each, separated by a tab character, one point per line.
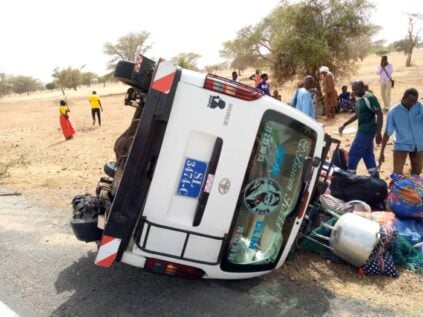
416	160
385	90
95	111
362	148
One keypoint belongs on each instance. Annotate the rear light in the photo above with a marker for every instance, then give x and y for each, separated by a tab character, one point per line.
173	269
231	88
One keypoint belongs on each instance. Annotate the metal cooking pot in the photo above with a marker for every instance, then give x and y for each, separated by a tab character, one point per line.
353	238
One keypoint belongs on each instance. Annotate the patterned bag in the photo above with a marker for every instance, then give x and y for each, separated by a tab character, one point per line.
381	261
406	196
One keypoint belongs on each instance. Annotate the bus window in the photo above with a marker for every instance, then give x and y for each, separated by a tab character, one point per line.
270	193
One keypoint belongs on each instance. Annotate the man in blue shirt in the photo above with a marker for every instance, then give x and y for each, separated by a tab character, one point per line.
303	100
264	85
405	120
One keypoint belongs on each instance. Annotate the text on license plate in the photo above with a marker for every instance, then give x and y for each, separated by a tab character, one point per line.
192	178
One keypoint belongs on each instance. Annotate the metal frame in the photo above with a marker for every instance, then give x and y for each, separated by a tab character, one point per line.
188	233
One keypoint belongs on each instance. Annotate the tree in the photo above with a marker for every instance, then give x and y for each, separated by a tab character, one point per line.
412	38
215	67
25	84
361	46
51	86
73	78
317	32
186	60
5	86
241	50
298	38
240	63
105	78
127	48
87	78
67	78
60	77
379	48
251	48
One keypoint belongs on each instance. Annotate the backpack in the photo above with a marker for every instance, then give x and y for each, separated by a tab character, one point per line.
371	190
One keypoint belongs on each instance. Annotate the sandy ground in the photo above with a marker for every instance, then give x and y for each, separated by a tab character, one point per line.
36	161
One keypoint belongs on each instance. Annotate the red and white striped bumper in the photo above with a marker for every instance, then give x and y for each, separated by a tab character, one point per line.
107	251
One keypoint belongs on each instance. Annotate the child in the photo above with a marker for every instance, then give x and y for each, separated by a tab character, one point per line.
276	95
344	100
264	85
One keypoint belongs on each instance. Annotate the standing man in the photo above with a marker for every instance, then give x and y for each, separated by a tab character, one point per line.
406	121
264	85
304	100
329	92
95	106
370	121
385	71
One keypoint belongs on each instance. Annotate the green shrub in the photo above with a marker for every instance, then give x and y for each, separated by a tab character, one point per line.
51	86
382	51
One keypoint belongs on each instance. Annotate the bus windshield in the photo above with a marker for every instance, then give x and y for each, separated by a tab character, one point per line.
270	193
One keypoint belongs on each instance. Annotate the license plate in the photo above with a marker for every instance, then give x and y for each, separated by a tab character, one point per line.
192	178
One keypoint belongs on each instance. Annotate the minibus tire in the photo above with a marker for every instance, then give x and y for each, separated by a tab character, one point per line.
124	69
123	72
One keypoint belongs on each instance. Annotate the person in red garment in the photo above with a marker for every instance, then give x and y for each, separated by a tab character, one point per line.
67	128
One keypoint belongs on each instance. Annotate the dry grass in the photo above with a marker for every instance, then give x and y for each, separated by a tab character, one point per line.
20	161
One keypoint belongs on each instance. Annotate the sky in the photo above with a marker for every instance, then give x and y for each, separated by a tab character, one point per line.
38	36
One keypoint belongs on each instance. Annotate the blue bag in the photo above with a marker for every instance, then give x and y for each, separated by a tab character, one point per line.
406	196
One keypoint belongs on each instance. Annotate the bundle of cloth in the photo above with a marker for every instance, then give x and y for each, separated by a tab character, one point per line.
397	207
405	200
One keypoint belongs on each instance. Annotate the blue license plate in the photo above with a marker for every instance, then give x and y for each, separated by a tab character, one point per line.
192	178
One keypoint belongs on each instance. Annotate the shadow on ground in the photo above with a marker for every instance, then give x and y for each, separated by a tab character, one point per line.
127	291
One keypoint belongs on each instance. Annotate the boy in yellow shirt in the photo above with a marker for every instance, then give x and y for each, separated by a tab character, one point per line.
95	106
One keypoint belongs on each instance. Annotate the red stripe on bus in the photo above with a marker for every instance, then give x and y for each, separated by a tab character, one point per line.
164	84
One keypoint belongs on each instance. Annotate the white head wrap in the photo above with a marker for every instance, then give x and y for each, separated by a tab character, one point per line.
324	69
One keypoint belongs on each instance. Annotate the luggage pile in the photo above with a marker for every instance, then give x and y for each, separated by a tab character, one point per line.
369	224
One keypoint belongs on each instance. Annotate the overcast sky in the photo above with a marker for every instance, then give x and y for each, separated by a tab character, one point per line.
37	36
